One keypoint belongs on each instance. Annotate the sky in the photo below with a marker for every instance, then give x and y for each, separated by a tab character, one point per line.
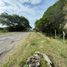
31	9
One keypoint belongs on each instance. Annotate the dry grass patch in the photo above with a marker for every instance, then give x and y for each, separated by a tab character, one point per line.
54	48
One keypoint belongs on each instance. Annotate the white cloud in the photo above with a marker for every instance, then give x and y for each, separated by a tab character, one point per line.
1	4
18	7
31	1
35	1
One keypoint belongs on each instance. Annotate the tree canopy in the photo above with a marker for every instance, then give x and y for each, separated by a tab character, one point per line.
14	22
53	19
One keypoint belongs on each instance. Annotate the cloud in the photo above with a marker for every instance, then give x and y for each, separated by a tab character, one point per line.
18	7
31	9
1	4
34	2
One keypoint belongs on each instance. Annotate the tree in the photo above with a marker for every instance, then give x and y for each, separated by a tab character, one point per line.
52	19
14	22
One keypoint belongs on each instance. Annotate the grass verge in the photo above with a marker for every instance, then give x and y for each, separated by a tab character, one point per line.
54	48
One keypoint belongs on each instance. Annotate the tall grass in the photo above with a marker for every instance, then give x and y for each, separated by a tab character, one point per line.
56	49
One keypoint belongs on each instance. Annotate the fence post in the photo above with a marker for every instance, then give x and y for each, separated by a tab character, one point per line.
55	33
63	36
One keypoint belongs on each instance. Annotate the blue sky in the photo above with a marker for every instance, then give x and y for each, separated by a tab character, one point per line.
31	9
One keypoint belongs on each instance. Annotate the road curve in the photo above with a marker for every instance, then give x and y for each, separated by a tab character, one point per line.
7	41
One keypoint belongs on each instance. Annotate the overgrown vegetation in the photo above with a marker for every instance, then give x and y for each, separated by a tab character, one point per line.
56	49
14	22
53	19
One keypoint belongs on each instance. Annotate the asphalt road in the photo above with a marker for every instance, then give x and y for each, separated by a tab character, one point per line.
8	41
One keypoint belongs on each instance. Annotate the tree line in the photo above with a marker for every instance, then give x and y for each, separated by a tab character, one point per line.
53	20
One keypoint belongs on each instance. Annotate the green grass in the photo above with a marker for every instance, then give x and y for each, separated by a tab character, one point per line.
55	48
2	32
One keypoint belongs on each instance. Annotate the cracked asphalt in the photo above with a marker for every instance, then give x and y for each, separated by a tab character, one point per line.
8	41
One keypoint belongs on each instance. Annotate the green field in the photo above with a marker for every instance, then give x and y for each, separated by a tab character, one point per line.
55	48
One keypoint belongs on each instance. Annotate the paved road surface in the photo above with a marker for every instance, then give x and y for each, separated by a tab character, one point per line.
7	41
